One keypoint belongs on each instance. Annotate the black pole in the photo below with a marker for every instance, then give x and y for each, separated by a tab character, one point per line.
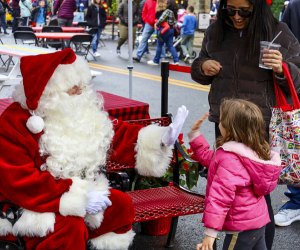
164	87
113	28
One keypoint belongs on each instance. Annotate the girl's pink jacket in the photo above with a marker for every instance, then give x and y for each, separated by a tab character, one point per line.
236	184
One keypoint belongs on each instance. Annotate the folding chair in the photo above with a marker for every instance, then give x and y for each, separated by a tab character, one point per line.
57	44
81	44
93	31
14	74
26	37
24	28
82	24
53	22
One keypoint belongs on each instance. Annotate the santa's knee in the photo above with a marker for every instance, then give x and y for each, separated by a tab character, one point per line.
74	226
65	228
123	207
115	232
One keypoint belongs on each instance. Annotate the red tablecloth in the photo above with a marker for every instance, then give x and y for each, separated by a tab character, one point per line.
118	107
57	35
64	29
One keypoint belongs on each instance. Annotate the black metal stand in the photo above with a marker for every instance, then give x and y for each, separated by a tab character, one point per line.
164	87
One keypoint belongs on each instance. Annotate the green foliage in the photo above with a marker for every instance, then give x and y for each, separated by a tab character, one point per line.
276	7
189	174
112	10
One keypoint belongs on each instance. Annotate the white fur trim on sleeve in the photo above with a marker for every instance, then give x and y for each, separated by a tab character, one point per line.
152	158
34	224
5	227
101	183
93	221
113	241
74	201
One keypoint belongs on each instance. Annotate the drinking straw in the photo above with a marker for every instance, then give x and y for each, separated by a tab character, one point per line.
274	39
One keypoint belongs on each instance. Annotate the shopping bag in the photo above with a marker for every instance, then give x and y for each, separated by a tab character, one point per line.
284	132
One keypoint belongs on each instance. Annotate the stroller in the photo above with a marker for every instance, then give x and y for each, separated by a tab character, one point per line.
178	48
176	45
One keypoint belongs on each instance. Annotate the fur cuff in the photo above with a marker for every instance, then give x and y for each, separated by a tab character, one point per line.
93	221
113	241
74	201
101	183
34	224
152	158
5	227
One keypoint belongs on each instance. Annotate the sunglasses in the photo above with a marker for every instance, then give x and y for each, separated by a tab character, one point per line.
241	12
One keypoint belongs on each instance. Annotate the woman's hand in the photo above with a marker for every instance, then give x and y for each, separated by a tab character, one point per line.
196	126
273	58
211	67
207	243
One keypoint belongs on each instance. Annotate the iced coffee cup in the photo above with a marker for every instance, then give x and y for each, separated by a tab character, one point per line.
265	45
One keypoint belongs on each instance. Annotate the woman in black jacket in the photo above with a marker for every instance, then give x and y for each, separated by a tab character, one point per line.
229	57
96	18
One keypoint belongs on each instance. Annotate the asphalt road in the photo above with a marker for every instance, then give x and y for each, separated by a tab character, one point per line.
182	90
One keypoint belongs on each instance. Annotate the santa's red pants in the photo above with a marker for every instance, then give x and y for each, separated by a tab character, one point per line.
70	232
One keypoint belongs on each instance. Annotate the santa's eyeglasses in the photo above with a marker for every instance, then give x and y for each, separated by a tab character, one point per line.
242	12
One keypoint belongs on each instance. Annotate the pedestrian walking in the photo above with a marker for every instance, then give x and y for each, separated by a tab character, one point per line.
123	26
148	16
64	9
96	18
163	14
39	15
25	8
234	200
3	7
188	29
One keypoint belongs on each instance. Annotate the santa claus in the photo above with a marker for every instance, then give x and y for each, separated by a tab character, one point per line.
54	140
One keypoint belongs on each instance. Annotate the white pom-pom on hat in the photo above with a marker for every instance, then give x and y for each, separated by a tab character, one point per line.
35	124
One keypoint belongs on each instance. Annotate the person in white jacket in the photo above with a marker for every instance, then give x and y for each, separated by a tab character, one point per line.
26	8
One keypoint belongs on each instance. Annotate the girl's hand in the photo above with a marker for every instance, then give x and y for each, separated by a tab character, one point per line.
211	67
273	58
196	126
207	243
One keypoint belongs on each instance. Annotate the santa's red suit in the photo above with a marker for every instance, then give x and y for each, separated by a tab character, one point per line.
50	158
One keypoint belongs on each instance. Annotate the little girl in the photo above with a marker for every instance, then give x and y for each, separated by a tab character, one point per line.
241	171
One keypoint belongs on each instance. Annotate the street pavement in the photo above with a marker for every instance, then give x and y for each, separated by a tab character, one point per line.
146	87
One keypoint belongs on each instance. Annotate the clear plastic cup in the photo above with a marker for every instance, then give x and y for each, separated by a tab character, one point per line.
265	45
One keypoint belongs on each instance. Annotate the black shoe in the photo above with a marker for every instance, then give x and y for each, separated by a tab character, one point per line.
136	59
6	33
118	51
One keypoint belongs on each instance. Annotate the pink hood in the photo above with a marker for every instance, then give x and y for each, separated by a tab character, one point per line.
264	174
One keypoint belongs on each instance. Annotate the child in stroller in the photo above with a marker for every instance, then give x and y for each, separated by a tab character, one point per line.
178	38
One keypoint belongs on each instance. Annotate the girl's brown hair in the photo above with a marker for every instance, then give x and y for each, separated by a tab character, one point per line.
161	5
243	122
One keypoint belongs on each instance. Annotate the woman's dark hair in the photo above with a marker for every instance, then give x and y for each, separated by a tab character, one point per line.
262	24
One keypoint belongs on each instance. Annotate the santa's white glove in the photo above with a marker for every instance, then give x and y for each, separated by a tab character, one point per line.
97	201
171	135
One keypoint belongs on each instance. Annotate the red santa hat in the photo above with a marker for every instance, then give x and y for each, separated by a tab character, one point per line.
36	72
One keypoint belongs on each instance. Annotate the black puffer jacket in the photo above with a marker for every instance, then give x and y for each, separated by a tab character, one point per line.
92	18
242	78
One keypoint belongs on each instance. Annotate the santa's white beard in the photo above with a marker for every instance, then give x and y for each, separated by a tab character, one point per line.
77	134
